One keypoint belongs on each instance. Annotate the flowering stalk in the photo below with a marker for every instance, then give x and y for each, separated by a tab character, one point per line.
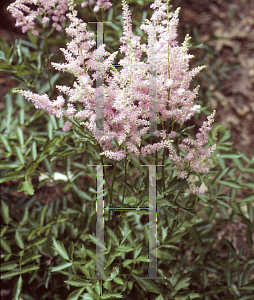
126	92
48	61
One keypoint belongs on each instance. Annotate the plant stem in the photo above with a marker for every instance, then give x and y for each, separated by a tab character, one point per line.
120	220
102	14
101	287
163	168
94	13
111	192
106	179
47	54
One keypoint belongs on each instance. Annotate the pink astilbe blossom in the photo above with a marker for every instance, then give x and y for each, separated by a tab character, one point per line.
106	4
25	16
43	102
121	88
67	126
194	156
126	92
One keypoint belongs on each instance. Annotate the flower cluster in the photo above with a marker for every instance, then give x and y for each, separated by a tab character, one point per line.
106	4
43	102
25	16
126	92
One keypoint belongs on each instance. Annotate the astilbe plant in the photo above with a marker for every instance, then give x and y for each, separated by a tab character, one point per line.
126	92
200	270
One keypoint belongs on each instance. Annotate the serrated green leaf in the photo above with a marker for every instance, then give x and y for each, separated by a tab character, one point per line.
37	241
5	212
97	242
11	176
113	236
126	235
48	144
230	247
118	280
175	184
221	174
9	274
81	193
230	155
164	233
50	130
5	245
124	248
61	266
249	184
224	136
6	143
160	297
176	237
8	266
249	236
75	294
63	153
3	230
127	262
187	129
71	250
32	165
42	215
183	282
170	247
20	137
29	268
150	285
20	155
26	186
142	258
221	162
89	297
231	183
24	217
107	295
248	287
113	274
188	211
2	55
222	202
59	247
78	282
17	289
249	170
19	240
7	165
238	163
248	198
188	296
164	202
48	166
126	185
34	150
29	258
139	181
